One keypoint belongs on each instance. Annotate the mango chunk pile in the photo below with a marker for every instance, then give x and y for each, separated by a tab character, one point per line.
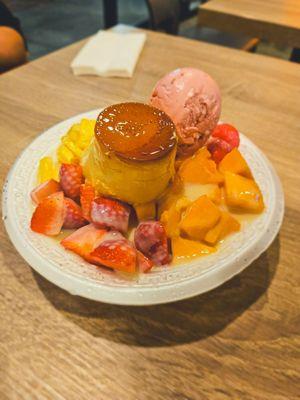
70	151
75	142
201	209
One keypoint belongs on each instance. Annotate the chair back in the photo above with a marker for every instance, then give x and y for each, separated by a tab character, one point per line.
164	15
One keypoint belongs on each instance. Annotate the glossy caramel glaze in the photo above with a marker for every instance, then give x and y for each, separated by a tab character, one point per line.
135	131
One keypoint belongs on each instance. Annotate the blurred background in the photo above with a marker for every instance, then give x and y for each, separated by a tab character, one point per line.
52	24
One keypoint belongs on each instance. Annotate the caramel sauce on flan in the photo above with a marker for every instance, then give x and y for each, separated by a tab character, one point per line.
135	131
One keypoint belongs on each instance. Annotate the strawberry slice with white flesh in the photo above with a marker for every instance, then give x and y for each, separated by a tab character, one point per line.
144	264
218	149
87	195
44	190
118	254
71	178
48	217
110	214
73	218
84	240
150	238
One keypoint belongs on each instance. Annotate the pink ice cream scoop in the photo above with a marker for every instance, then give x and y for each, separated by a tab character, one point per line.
192	100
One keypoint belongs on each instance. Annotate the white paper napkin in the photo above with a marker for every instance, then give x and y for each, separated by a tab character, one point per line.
110	54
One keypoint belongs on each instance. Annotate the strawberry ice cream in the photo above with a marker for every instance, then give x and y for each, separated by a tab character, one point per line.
192	100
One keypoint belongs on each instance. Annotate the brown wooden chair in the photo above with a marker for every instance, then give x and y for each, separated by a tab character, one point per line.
164	15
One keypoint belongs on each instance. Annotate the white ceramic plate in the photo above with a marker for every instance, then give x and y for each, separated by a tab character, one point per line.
162	285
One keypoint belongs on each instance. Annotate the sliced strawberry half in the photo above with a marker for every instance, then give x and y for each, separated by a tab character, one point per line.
71	177
151	239
223	139
109	213
116	254
44	190
218	149
84	240
143	262
87	195
48	217
73	217
228	133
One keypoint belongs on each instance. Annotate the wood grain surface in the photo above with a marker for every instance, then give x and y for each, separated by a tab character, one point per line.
239	341
274	20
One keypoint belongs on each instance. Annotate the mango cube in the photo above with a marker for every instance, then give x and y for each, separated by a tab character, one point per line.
199	218
47	170
171	218
226	225
145	211
235	162
189	249
243	193
65	155
200	169
172	194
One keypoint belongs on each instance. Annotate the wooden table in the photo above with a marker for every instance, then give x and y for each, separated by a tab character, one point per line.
274	20
240	341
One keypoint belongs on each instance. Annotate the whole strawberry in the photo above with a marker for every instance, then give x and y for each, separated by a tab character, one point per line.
71	177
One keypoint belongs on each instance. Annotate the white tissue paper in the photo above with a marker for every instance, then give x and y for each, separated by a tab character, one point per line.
111	53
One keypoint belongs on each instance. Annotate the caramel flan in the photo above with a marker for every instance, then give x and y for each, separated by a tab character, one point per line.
132	155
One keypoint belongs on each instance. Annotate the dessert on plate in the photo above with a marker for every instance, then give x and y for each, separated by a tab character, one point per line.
148	185
132	155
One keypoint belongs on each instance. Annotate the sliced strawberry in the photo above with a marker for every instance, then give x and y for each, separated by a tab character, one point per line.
48	217
144	264
44	190
159	253
87	195
117	254
109	213
223	139
228	133
218	149
84	240
73	217
71	178
151	239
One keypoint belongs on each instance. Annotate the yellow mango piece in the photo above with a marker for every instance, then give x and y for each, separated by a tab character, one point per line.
216	195
87	129
145	211
76	141
73	133
72	146
47	170
173	193
223	196
243	193
171	217
185	249
235	162
226	225
64	155
200	169
199	217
